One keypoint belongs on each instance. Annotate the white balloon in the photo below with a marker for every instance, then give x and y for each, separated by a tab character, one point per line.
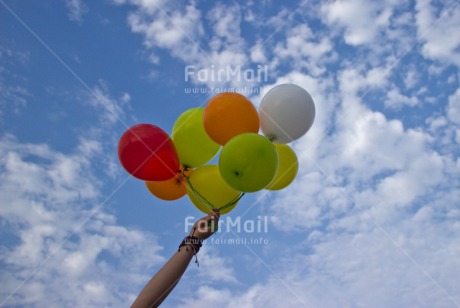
286	113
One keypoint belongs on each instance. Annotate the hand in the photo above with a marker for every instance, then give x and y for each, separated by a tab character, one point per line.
206	226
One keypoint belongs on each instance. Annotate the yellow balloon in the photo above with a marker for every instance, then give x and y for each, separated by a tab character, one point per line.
193	145
207	182
288	167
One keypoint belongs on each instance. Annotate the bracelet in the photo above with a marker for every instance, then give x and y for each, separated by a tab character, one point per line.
195	243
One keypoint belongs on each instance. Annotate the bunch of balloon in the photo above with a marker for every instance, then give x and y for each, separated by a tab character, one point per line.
249	162
194	148
170	165
204	186
225	116
286	113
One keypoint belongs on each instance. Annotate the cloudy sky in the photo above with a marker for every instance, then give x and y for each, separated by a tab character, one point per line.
372	219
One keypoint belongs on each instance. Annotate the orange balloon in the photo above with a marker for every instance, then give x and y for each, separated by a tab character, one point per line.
171	189
229	114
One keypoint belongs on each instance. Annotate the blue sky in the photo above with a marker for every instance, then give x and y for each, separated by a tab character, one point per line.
372	218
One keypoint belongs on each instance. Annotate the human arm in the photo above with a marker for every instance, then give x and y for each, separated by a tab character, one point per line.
162	283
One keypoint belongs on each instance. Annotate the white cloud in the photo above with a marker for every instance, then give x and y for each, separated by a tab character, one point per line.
362	175
435	28
13	97
110	110
367	149
411	78
48	196
361	20
258	53
354	79
279	19
305	49
396	100
59	234
452	79
76	9
361	269
180	31
453	108
225	21
164	27
212	269
13	93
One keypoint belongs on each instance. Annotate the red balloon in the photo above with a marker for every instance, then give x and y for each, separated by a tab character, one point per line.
147	153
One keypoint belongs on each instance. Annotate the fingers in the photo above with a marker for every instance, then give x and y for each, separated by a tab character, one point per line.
214	215
208	225
215	212
210	218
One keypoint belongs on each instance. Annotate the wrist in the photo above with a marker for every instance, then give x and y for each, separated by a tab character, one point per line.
201	237
195	244
192	241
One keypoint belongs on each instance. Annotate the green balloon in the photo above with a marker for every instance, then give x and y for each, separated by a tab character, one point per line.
193	145
248	162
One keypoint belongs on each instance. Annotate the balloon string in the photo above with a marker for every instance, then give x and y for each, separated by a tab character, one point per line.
195	192
206	201
270	137
231	202
198	195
